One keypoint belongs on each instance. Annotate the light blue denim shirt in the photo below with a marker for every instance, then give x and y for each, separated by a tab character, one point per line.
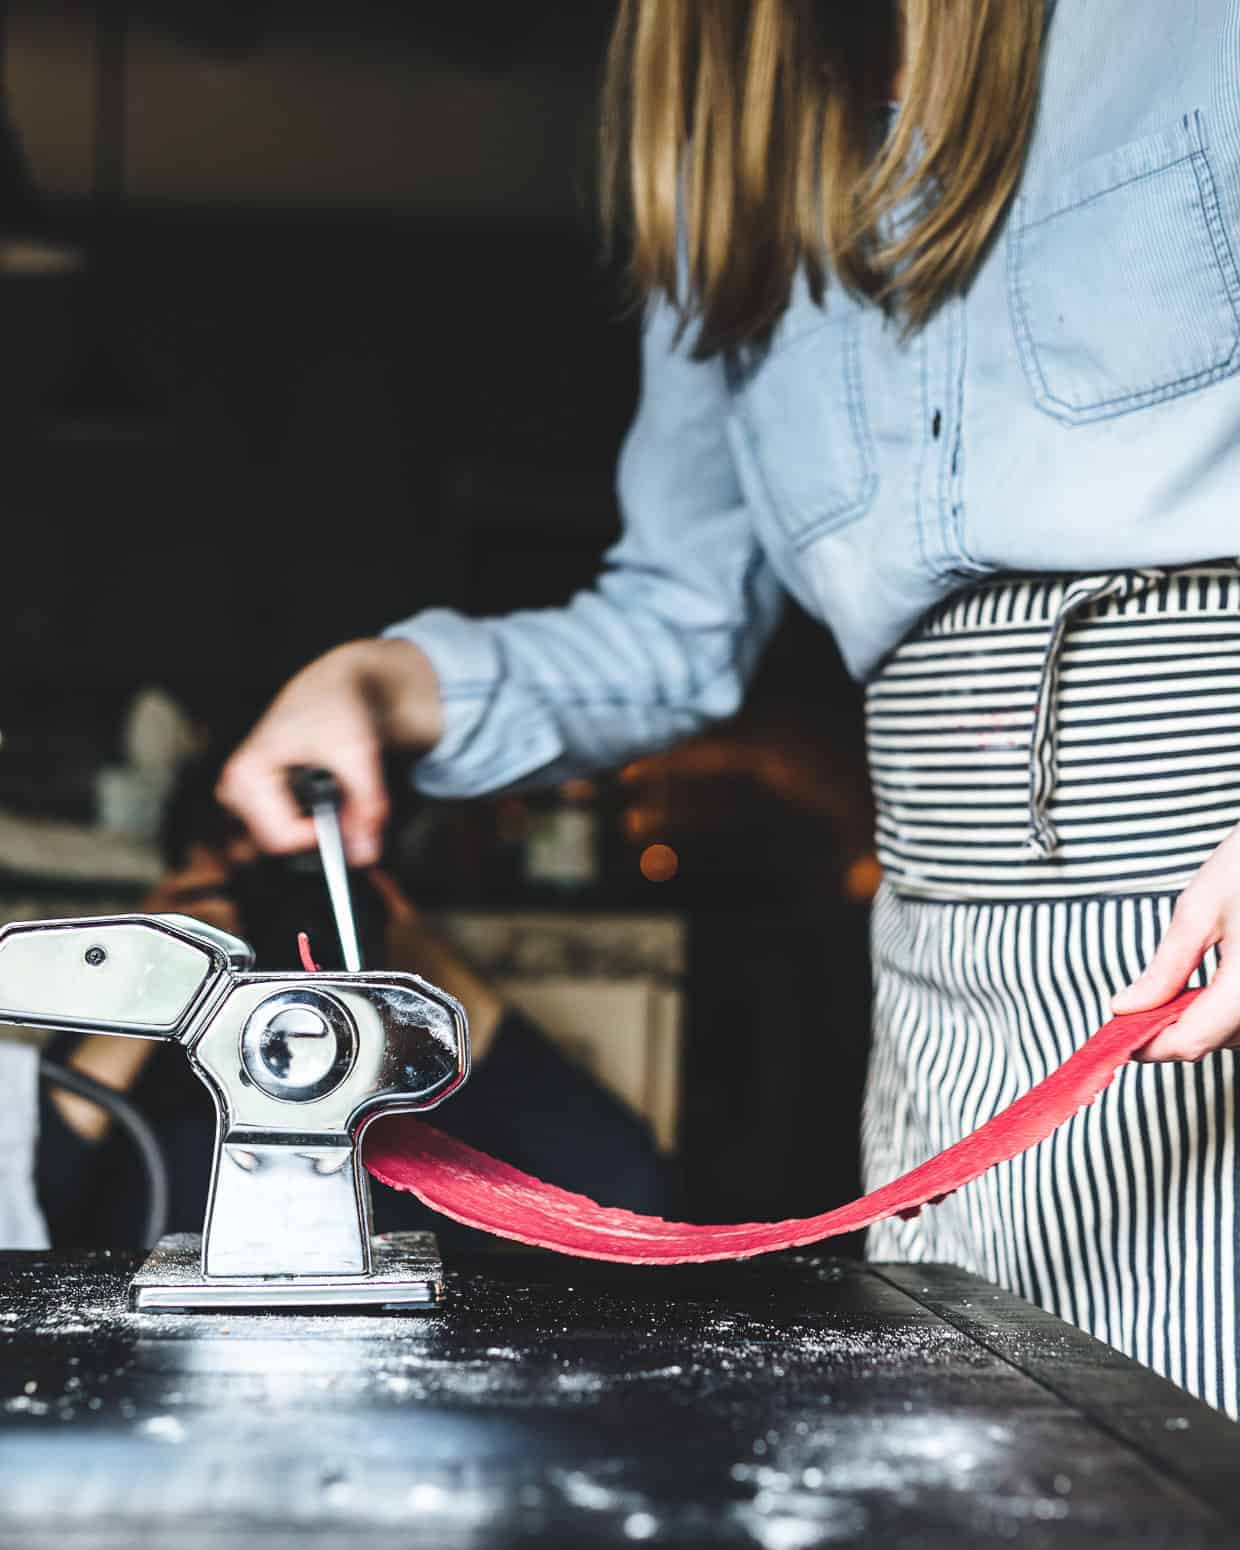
1077	409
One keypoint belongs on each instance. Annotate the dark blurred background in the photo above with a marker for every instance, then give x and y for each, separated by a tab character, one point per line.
305	326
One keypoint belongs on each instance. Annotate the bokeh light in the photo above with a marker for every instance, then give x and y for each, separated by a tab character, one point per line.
659	863
863	877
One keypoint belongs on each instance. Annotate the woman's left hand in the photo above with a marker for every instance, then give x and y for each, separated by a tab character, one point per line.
1207	914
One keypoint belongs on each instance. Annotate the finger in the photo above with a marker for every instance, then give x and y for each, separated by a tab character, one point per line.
359	769
1193	928
1210	1023
258	792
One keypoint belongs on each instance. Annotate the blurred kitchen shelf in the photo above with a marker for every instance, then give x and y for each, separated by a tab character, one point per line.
46	899
605	987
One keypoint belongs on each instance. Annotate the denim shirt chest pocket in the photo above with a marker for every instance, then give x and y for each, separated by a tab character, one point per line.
798	428
1122	280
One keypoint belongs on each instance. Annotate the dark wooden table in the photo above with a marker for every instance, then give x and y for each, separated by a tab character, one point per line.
786	1403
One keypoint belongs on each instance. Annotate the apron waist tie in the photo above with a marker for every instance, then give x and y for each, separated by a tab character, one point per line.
1041	840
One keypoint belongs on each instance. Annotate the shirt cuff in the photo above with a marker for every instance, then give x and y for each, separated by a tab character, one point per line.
495	733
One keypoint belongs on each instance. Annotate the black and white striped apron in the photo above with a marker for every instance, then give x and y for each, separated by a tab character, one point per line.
1053	758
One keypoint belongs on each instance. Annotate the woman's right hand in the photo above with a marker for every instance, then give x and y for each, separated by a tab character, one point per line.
340	713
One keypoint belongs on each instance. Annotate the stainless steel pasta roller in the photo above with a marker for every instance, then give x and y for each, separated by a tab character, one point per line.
298	1065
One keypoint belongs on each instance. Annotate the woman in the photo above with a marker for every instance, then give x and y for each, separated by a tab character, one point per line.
962	374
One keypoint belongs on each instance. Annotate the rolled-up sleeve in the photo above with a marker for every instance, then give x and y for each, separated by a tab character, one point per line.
661	645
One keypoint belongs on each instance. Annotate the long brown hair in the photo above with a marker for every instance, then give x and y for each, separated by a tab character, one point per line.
743	140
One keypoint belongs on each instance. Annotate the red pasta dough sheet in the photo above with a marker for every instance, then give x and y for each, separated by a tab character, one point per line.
480	1191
